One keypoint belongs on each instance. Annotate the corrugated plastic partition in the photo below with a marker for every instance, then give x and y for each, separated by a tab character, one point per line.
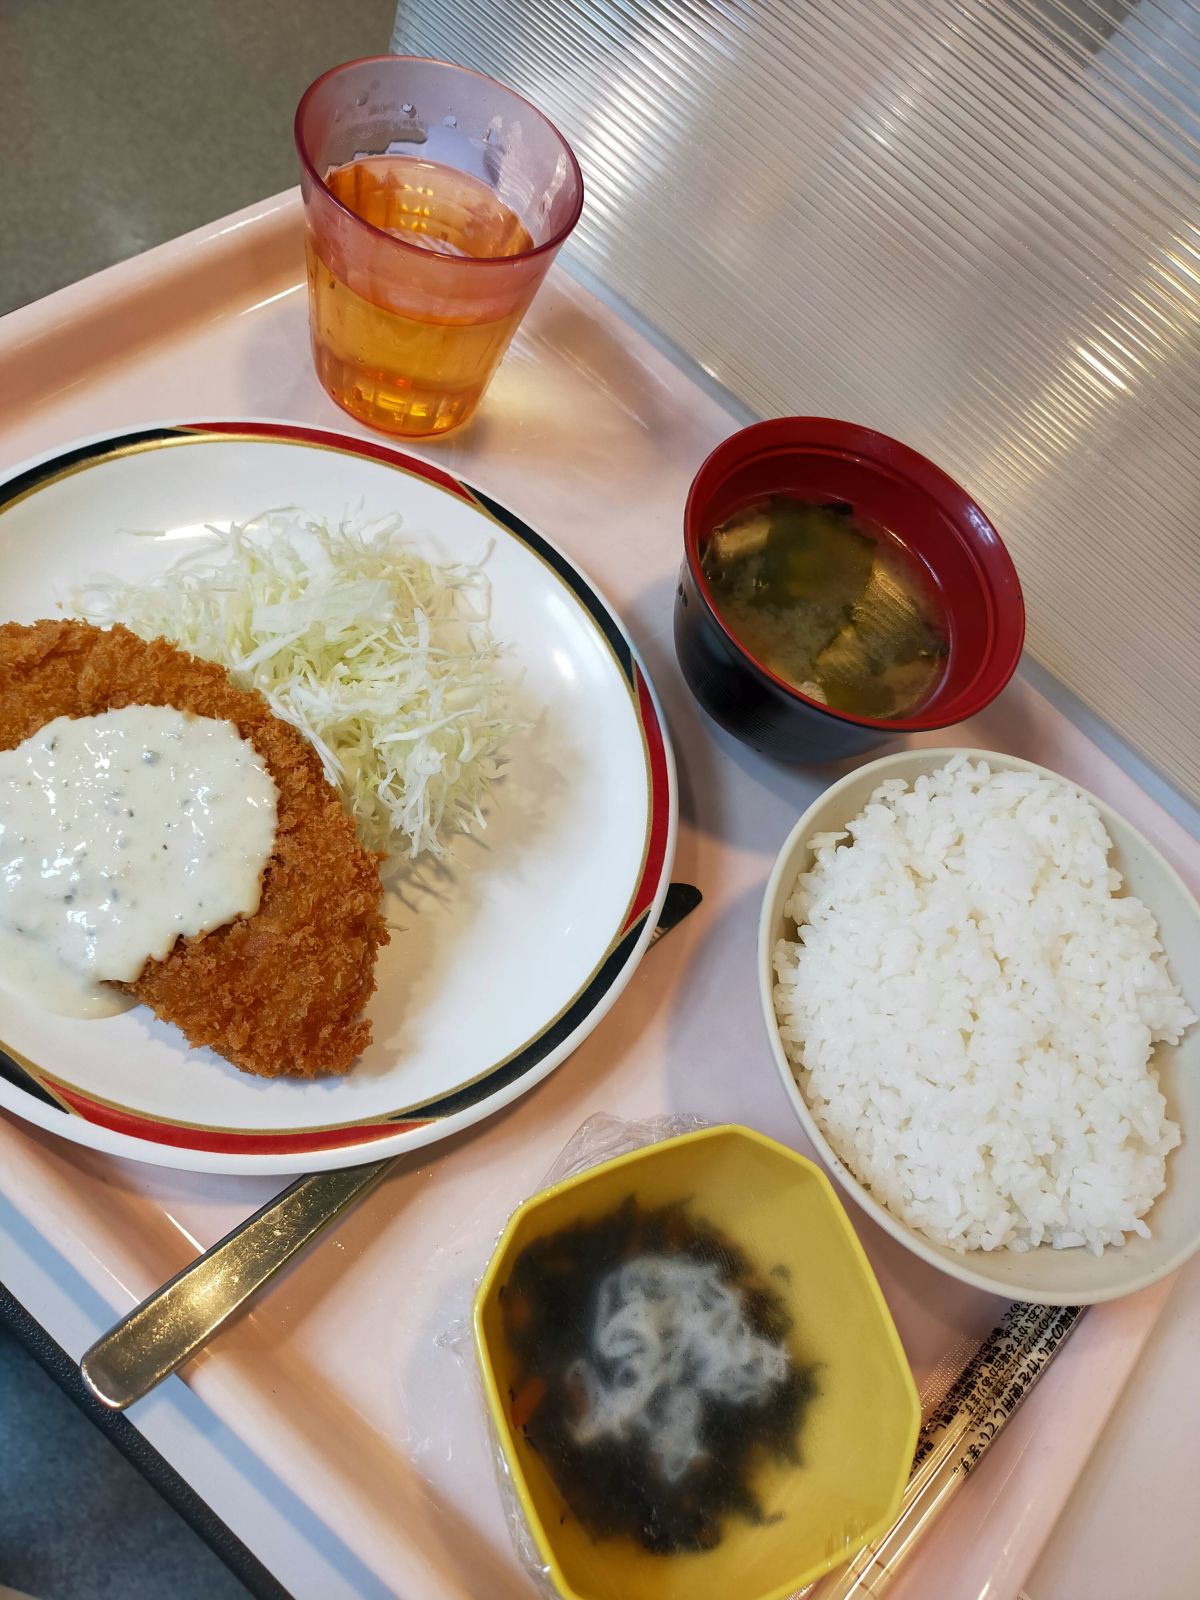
973	226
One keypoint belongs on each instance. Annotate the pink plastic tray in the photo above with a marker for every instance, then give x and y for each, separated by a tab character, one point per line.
334	1382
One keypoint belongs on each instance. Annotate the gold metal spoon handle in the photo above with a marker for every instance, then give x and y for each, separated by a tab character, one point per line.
175	1321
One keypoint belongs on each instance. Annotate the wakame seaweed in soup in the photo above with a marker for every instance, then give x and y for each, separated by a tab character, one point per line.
846	616
653	1374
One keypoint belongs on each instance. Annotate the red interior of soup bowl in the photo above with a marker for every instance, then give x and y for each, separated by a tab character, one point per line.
970	571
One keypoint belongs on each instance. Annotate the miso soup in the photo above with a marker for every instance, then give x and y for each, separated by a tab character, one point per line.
840	611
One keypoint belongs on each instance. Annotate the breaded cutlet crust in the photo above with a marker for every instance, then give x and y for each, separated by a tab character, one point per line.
283	991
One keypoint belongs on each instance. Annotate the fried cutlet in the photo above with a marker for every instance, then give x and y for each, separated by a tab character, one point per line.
279	992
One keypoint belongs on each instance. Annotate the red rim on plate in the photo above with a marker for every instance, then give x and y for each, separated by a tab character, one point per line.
36	1091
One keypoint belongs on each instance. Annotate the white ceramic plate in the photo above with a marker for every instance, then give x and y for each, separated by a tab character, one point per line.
1044	1276
498	968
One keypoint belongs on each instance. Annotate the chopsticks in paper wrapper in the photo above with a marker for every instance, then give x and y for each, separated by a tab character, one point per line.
953	1439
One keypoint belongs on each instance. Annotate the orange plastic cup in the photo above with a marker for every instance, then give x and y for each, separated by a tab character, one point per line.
434	202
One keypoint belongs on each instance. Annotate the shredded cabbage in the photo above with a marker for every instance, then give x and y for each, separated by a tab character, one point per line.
383	660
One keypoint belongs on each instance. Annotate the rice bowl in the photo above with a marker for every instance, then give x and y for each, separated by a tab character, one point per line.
975	1182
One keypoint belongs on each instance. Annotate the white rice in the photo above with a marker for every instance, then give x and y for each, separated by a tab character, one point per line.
971	1010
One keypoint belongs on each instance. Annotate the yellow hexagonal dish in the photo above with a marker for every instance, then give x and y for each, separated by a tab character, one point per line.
856	1438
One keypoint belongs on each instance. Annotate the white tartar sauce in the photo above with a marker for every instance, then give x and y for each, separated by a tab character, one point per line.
118	835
